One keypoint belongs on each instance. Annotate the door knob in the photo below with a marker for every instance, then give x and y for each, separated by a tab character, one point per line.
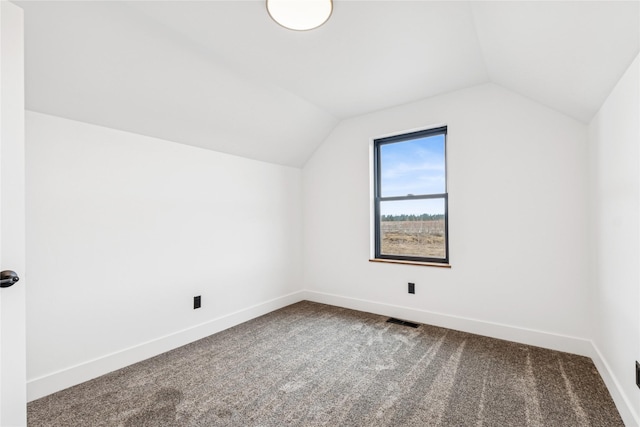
8	278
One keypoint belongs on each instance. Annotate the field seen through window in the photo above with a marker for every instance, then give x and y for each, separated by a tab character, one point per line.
413	237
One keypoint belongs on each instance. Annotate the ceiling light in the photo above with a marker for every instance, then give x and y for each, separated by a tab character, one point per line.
300	15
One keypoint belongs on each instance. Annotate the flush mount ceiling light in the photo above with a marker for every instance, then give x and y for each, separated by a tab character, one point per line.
300	15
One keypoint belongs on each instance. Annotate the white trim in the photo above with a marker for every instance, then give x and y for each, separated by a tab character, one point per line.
56	381
548	340
623	403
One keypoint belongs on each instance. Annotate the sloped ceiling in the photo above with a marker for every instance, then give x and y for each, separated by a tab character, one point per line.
222	75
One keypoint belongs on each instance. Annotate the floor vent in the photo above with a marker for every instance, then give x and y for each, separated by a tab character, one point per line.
402	322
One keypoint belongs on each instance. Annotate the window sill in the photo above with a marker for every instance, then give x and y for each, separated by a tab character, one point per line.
425	264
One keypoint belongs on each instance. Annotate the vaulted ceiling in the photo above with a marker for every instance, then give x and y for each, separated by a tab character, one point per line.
222	75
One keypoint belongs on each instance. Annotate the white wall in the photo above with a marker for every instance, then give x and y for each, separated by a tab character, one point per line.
123	230
614	135
518	229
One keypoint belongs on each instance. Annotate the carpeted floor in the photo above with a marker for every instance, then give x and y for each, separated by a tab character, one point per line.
316	365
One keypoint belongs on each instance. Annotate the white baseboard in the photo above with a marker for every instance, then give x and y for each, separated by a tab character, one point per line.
548	340
552	341
56	381
630	417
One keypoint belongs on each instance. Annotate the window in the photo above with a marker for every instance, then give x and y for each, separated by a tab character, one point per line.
410	196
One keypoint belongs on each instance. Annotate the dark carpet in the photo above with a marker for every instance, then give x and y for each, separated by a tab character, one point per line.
311	364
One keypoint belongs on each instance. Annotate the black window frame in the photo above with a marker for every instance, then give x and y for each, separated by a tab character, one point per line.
377	143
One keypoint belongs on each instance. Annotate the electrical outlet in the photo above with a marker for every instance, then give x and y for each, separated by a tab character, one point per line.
197	302
412	288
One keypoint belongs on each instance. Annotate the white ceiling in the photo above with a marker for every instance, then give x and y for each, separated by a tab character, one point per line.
222	75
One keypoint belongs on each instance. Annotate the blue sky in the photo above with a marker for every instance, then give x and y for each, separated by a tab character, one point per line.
413	167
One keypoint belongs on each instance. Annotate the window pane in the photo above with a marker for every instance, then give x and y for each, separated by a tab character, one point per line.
413	228
413	167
